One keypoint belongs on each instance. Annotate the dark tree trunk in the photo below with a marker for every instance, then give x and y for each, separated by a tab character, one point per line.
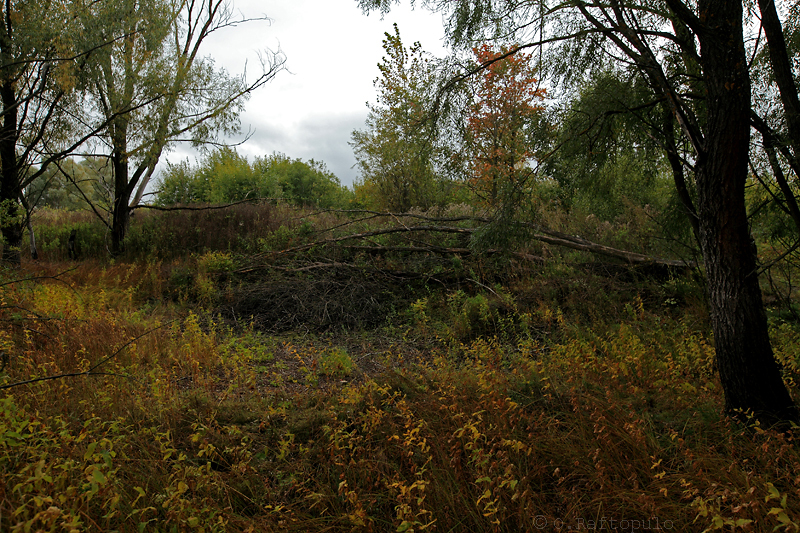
122	191
748	371
782	70
10	219
119	225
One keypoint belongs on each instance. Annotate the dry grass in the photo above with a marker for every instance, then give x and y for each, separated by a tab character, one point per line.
474	408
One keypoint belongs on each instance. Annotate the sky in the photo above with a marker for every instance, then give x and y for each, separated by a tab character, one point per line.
332	51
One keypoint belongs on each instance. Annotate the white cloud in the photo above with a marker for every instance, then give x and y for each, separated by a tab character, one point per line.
332	52
323	138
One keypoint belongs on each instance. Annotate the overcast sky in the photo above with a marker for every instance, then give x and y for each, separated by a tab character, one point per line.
332	51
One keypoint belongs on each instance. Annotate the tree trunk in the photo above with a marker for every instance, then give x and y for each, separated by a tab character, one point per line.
782	71
121	215
10	219
119	162
749	373
119	226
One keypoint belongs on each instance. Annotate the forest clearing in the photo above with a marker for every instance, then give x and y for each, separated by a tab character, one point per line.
560	294
241	387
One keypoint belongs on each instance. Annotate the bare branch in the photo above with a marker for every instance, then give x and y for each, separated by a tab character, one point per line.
91	370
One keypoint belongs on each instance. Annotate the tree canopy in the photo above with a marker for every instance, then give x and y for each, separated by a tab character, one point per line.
43	58
693	61
500	121
398	152
153	87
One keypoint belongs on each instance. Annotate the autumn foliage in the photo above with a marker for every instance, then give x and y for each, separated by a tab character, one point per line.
495	397
506	102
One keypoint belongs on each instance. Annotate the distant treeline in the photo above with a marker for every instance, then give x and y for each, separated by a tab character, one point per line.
222	176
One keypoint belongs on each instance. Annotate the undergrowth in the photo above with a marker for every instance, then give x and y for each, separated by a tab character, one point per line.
483	402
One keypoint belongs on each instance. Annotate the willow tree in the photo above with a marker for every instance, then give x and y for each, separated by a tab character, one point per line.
154	88
692	57
42	58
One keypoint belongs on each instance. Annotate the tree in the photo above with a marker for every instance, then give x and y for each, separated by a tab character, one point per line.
777	162
396	153
705	98
605	157
42	59
71	185
153	88
500	121
783	76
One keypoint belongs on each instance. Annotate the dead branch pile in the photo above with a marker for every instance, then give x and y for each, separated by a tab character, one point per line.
420	233
355	273
330	297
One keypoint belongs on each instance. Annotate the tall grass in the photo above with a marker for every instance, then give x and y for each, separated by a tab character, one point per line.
242	228
479	407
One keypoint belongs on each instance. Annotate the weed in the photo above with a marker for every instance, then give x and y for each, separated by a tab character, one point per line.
335	363
560	396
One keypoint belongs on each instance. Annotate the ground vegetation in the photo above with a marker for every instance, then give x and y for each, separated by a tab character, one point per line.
283	375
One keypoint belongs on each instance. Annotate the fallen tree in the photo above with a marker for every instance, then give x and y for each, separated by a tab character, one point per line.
445	225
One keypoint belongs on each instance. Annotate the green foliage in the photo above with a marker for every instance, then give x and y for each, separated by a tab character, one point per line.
90	239
43	59
398	152
224	176
177	185
70	184
335	363
216	262
304	183
606	158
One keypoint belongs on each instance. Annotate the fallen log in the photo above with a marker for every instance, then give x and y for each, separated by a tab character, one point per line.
575	243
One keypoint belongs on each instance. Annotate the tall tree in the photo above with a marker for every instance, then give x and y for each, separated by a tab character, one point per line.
42	58
396	152
154	88
706	99
501	116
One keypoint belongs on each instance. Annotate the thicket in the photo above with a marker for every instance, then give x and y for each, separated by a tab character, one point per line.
224	176
275	378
